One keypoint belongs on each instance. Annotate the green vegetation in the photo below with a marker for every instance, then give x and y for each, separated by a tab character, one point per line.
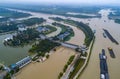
5	27
79	63
12	25
68	63
56	19
66	66
65	29
1	67
12	14
117	21
7	76
83	16
60	75
3	19
115	14
50	29
22	38
33	21
47	56
43	47
70	59
62	10
91	48
84	27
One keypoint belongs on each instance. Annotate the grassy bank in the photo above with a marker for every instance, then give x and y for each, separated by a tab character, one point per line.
64	30
91	48
84	27
79	63
66	66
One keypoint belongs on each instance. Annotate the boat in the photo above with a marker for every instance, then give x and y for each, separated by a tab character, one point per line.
104	35
110	37
103	65
104	20
111	52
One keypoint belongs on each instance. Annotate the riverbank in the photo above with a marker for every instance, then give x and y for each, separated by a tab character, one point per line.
50	69
92	70
87	59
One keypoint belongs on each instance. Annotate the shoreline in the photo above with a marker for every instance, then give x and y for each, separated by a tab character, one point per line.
62	55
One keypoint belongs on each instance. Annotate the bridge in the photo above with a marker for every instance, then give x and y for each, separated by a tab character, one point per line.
64	44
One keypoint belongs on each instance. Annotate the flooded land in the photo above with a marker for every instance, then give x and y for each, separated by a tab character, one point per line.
50	68
92	71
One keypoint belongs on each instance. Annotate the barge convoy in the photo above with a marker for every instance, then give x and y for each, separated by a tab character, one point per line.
110	36
103	66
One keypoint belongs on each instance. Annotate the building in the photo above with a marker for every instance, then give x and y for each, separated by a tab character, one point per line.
8	38
62	36
42	29
21	63
21	27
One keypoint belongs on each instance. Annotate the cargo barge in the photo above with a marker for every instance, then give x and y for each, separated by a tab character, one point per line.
111	52
103	66
110	36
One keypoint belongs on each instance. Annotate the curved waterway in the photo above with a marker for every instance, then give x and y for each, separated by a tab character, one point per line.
92	71
51	68
9	55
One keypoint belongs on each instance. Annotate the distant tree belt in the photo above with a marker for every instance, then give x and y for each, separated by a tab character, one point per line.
12	14
115	15
63	10
12	26
85	28
33	21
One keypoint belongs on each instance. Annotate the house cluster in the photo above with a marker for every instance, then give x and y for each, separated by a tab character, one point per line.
42	29
11	21
21	27
62	36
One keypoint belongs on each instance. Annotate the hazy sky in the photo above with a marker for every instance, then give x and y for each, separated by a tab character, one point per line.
65	1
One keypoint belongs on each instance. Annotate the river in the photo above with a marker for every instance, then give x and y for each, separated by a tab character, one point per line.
92	71
9	55
50	68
